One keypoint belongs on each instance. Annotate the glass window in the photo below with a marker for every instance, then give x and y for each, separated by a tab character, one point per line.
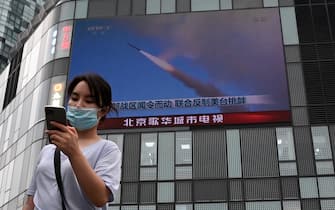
67	11
166	156
308	187
289	25
148	149
81	9
324	167
210	206
270	3
291	205
184	207
153	6
326	187
165	192
267	205
201	5
168	6
327	204
288	169
322	149
285	144
148	173
184	147
234	153
113	208
132	207
226	4
147	207
184	172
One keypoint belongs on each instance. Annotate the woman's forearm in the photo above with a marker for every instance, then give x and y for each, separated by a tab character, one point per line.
92	185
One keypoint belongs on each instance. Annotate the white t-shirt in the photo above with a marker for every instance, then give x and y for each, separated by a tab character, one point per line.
103	156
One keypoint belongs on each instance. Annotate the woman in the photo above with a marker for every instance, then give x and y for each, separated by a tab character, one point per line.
90	166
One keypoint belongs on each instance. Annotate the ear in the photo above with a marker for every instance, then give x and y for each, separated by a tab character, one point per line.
103	111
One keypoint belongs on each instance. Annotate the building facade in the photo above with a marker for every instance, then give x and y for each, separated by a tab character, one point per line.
15	18
241	166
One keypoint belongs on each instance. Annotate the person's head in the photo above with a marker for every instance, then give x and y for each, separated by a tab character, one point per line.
90	91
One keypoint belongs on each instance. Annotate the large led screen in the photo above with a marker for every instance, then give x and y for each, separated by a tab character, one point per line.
206	68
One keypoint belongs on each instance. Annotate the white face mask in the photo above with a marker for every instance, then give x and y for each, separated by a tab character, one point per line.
82	118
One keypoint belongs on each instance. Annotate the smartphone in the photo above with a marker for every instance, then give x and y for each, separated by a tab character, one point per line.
55	113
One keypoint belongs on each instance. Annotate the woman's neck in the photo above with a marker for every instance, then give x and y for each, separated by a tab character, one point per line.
87	137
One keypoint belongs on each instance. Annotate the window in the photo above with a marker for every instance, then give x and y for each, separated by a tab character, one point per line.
165	192
322	150
166	156
153	6
234	153
291	205
201	5
267	205
286	152
308	187
149	149
184	147
168	6
285	144
321	143
210	206
326	187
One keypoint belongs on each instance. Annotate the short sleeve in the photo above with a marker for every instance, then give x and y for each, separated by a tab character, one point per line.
32	187
108	167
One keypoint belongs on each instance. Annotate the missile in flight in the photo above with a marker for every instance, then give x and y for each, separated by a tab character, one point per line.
202	89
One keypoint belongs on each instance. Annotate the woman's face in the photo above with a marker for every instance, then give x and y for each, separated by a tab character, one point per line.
81	96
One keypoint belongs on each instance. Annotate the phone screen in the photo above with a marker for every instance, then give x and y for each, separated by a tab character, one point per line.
54	113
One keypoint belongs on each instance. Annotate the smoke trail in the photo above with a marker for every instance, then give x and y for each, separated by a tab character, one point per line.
204	90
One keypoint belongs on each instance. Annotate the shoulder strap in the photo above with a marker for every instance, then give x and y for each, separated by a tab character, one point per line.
58	176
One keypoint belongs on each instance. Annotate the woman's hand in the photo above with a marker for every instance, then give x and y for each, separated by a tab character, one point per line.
66	138
29	204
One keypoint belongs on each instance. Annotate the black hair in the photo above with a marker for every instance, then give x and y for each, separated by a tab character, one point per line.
100	90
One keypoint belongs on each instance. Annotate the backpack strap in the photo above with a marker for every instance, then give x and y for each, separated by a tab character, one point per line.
58	176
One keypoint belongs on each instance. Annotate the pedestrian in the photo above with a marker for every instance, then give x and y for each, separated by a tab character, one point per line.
90	165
